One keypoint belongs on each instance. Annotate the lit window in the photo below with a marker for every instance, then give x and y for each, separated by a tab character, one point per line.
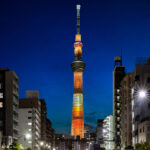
1	104
118	126
29	142
118	118
118	90
1	95
29	123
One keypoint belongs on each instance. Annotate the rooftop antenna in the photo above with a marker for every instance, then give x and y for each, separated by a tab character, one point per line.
78	18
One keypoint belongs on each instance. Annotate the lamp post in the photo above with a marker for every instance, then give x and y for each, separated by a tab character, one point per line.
142	94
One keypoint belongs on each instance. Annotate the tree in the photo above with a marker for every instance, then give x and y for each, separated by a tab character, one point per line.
16	146
142	146
129	147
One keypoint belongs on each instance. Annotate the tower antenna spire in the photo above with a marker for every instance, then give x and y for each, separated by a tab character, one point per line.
78	18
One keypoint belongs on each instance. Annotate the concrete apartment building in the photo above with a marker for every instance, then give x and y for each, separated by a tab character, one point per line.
108	133
141	105
99	133
43	120
134	109
118	74
30	121
9	105
50	134
86	131
144	132
126	111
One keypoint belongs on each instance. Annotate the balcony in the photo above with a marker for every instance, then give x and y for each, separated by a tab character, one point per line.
15	135
15	127
15	118
15	100
15	92
15	109
15	83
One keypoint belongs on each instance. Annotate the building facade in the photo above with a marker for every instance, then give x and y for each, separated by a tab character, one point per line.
108	133
43	120
141	104
99	133
77	127
30	121
126	111
86	131
50	134
131	108
144	132
9	105
118	74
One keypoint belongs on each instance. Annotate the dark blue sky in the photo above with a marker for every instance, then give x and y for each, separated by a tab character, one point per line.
36	41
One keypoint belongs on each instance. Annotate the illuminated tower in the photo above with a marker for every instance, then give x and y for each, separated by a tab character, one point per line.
78	66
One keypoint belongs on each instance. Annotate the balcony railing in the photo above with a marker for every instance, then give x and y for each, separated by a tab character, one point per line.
15	117
15	100
15	109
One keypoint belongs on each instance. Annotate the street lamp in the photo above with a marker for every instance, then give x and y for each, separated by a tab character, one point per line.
142	94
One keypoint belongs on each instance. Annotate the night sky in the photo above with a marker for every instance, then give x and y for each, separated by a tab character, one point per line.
36	41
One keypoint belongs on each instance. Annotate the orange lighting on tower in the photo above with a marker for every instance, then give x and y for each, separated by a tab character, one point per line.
77	128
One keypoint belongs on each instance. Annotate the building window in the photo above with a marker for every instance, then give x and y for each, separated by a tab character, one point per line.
29	123
118	111
118	97
30	111
1	104
29	142
118	104
29	117
118	126
118	118
143	129
118	90
1	95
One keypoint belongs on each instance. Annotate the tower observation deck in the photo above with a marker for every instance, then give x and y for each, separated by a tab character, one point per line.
77	127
